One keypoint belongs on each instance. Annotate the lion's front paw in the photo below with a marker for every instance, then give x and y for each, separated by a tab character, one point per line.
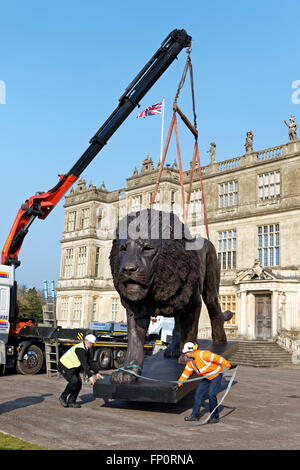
122	377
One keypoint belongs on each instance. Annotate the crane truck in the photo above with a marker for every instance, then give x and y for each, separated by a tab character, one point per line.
23	341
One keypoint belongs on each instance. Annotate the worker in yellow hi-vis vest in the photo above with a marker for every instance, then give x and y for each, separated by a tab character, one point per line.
76	359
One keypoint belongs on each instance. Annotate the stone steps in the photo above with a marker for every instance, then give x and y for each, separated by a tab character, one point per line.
261	354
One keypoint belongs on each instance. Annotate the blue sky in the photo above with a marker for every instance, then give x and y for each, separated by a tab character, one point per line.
66	63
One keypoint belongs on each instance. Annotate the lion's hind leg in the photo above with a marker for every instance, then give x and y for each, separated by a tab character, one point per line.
210	293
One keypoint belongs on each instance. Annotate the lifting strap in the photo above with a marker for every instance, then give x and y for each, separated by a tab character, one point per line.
185	381
196	157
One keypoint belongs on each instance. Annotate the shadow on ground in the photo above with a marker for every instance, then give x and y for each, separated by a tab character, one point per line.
23	402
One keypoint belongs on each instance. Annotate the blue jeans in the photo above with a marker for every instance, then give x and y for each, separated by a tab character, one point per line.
212	387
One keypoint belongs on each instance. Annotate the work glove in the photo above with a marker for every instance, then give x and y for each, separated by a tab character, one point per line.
233	366
176	388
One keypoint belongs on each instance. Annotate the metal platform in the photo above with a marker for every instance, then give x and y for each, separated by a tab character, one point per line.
163	369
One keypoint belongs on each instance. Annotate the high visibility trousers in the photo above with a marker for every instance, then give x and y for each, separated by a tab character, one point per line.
74	383
212	387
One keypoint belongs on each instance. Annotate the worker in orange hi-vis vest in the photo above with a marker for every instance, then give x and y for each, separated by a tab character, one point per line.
210	366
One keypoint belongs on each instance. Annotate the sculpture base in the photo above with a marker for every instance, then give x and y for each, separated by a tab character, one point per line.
163	369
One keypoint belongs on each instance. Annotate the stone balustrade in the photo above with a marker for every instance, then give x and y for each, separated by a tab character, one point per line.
230	164
273	152
204	331
250	158
291	342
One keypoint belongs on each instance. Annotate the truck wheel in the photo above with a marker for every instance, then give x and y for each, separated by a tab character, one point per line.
32	361
103	358
119	359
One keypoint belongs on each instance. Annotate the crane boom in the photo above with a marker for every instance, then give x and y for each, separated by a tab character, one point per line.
41	204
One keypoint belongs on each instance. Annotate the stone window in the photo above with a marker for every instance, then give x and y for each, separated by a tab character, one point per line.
172	201
77	311
269	185
157	200
268	245
84	218
71	221
64	308
81	266
69	259
228	302
228	194
95	309
96	273
136	203
227	249
100	217
114	308
196	201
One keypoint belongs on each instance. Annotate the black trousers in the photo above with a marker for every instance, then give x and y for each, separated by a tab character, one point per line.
74	383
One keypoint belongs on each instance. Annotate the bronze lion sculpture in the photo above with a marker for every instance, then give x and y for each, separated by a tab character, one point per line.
159	269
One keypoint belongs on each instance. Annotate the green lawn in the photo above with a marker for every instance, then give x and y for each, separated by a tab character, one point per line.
8	442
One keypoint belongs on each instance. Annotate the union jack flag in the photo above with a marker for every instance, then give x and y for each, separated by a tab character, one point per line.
151	110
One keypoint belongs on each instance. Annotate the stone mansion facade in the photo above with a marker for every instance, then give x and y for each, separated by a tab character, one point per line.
253	211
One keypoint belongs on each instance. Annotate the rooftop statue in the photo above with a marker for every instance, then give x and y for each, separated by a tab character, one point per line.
212	152
292	125
249	142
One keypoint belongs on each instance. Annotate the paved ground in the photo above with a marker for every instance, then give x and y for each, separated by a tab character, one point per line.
262	411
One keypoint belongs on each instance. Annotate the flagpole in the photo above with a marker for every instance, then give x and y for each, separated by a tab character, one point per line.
162	128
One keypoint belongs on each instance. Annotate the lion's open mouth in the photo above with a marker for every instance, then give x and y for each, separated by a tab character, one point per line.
133	289
133	285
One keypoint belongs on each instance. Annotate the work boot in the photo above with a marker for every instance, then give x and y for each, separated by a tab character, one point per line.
191	418
63	402
213	420
72	404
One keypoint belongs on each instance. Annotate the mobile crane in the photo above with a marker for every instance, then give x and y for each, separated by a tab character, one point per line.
14	337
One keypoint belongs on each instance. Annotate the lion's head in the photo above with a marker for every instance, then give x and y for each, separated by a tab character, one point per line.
150	263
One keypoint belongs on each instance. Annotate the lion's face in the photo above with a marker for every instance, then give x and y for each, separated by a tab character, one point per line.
137	262
153	267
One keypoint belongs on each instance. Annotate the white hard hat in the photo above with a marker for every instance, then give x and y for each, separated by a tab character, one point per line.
188	347
90	338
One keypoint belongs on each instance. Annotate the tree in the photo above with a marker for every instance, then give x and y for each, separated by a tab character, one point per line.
30	302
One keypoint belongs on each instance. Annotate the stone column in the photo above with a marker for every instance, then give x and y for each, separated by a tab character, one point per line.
275	313
251	315
291	310
87	305
243	313
70	310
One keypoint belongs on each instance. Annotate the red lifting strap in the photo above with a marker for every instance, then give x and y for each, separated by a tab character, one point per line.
193	129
